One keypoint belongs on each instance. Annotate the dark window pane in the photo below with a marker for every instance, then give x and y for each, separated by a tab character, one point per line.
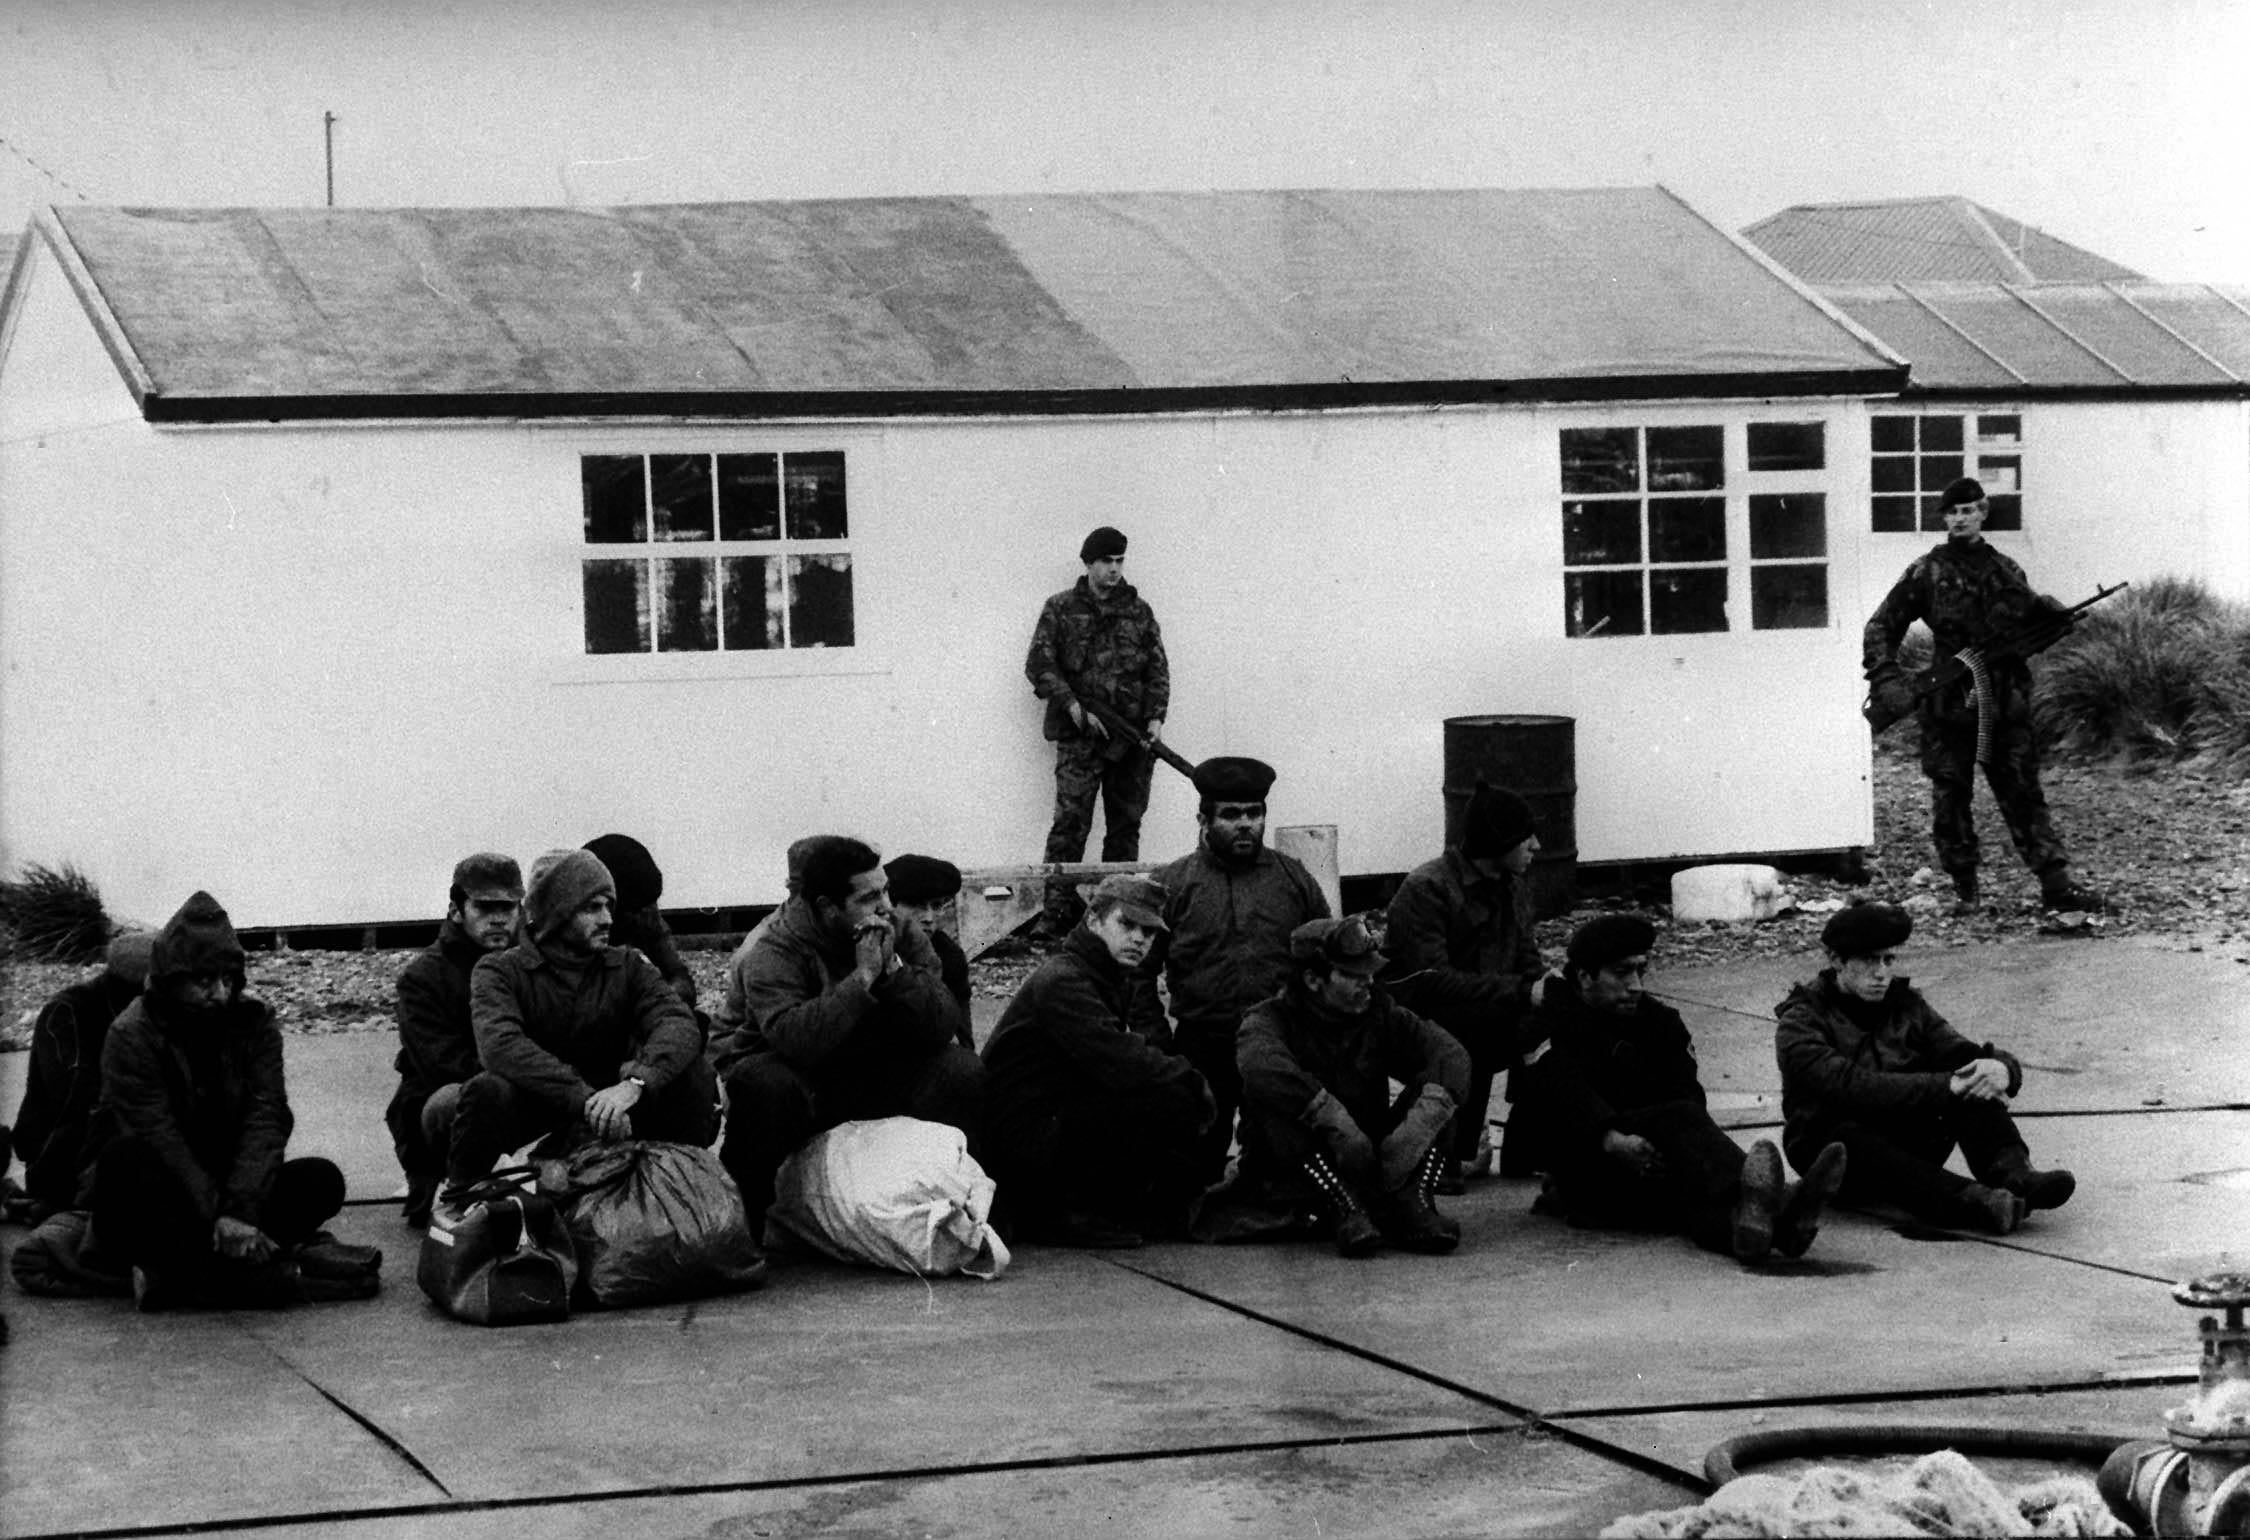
680	489
1687	529
1793	524
1601	534
1931	518
1788	446
616	504
813	488
751	602
749	498
2000	428
1893	473
1941	433
820	601
688	610
616	606
2007	511
1602	604
1788	598
1894	435
1686	459
1894	514
1938	470
1682	599
1600	460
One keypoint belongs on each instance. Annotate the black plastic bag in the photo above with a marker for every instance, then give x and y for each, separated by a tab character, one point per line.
653	1222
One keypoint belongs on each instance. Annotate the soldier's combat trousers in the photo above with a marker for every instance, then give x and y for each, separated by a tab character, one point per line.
1081	770
1949	759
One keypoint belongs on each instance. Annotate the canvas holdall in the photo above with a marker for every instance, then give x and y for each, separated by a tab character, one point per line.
654	1221
901	1193
506	1260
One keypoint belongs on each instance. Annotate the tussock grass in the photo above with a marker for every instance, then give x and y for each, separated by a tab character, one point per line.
53	914
2160	672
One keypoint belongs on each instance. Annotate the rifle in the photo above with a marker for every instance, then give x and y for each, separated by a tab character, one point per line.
1113	719
1889	701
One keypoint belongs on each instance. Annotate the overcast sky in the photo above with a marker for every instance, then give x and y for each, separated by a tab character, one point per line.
2119	125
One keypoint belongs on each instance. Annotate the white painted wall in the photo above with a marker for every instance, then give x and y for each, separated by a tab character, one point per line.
2115	490
308	667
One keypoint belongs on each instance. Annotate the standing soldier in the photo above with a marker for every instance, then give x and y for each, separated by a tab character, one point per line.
1970	595
1098	642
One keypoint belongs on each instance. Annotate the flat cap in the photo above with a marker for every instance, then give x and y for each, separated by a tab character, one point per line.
1607	938
922	879
1865	929
1345	944
1140	899
1231	778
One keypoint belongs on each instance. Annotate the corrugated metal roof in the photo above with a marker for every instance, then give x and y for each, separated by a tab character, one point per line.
2112	338
1918	240
1130	301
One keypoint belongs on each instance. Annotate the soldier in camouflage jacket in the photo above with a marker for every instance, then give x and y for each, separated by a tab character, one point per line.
1098	640
1969	594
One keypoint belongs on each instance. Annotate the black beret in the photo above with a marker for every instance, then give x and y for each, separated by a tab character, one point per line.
1965	489
631	867
1605	938
1865	929
1102	542
1497	821
1231	778
922	879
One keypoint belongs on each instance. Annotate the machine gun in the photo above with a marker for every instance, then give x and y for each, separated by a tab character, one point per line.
1113	719
1894	698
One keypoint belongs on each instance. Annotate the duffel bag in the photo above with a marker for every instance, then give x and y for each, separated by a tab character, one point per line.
500	1257
654	1221
898	1192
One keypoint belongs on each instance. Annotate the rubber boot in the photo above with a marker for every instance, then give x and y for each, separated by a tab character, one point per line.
1355	1233
1799	1219
1757	1202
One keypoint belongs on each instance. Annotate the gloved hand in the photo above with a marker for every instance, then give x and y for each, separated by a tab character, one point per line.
1425	1123
1890	696
1340	1137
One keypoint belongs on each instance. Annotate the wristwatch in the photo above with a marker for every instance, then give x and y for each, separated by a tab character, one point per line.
637	1080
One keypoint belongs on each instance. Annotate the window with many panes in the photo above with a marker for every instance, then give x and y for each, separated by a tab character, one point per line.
1646	529
1915	456
716	552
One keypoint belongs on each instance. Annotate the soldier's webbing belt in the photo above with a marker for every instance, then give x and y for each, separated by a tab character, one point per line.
1980	680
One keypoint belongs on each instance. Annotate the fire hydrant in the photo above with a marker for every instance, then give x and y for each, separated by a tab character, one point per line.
2197	1481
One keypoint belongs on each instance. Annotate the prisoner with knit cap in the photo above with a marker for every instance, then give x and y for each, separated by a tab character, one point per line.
562	883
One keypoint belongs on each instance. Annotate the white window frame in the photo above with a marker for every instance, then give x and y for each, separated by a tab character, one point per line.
1992	458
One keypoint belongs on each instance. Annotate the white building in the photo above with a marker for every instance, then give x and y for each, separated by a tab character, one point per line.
2107	414
335	544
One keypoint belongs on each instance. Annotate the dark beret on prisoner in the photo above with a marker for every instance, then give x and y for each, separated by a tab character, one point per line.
631	867
922	879
1607	938
1497	821
1102	542
485	871
1231	778
1964	489
1865	929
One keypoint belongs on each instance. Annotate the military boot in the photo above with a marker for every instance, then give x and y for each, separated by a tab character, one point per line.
1799	1218
1994	1210
1356	1234
1757	1202
1966	897
1409	1213
2059	890
2038	1189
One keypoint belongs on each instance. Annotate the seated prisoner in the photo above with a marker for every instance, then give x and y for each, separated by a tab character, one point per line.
1460	942
847	1019
1866	1062
1092	1124
64	1077
921	887
635	921
1319	1121
185	1176
437	1046
1629	1141
577	1037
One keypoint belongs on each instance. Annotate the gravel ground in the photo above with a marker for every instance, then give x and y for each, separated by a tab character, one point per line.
2169	844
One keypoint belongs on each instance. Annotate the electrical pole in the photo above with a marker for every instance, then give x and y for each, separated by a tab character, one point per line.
328	138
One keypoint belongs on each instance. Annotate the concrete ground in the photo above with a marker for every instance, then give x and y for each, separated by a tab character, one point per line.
1542	1381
